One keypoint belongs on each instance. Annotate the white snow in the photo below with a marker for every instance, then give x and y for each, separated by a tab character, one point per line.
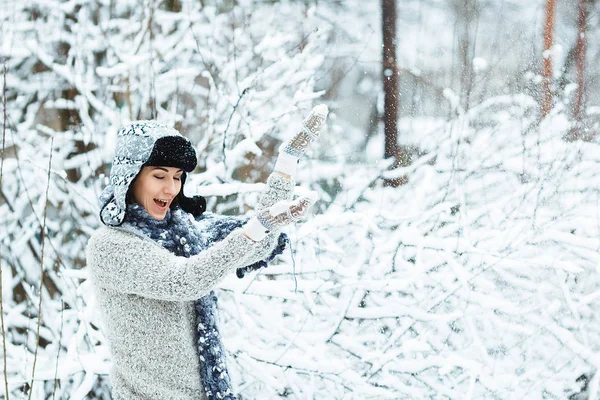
478	278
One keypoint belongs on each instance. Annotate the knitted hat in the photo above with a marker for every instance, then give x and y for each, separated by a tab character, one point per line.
146	143
173	151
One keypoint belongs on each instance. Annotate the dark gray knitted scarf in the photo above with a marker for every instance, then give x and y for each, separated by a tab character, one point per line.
184	237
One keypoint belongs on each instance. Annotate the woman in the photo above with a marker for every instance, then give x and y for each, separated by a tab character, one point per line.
154	263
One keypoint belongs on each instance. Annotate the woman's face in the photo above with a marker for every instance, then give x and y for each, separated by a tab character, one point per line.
155	188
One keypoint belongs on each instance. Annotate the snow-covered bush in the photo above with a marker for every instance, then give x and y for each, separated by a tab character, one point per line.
477	279
234	78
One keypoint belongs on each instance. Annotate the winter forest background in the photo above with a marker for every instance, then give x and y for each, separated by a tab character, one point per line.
454	253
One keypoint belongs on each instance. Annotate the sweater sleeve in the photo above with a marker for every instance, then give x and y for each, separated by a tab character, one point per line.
127	263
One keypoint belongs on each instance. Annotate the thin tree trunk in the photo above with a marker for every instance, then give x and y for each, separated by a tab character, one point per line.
465	35
174	5
547	72
391	92
580	56
6	391
466	46
390	77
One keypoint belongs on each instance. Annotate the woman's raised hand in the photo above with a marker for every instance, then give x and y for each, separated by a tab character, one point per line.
293	149
284	213
277	216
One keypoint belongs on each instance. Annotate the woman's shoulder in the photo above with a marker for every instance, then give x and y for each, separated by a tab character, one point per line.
109	246
106	232
106	236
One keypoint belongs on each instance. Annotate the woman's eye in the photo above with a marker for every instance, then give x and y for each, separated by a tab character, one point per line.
177	178
159	177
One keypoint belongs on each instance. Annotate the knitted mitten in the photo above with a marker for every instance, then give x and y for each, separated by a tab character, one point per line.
292	150
277	216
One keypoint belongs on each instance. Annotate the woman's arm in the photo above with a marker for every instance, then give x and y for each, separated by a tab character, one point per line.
280	184
127	263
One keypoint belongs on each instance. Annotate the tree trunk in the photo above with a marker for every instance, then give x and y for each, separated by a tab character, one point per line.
547	73
174	5
467	12
580	55
391	91
390	77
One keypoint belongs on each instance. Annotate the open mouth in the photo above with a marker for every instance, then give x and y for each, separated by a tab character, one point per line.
161	203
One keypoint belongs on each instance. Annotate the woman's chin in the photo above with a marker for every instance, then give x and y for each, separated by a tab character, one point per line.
159	216
156	213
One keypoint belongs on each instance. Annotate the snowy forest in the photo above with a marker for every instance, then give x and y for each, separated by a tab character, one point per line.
455	249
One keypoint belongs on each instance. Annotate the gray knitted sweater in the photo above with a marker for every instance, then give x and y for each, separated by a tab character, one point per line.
146	299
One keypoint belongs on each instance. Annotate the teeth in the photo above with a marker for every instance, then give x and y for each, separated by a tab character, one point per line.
163	202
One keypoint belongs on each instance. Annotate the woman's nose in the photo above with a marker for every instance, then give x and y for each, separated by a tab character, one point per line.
170	187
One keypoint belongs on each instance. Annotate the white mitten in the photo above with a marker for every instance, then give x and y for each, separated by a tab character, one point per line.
277	216
292	150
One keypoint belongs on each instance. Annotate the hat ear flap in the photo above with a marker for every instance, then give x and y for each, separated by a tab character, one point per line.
195	205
